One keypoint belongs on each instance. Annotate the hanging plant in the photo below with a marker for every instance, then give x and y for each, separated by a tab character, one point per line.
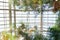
16	2
56	6
33	4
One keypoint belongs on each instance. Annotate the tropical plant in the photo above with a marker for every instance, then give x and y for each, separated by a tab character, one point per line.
55	30
21	28
40	37
23	31
7	36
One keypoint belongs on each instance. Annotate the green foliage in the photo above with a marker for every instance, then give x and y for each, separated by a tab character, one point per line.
21	28
33	4
47	1
55	30
8	36
40	37
16	2
23	33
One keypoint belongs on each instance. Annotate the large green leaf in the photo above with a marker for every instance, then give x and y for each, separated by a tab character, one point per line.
55	30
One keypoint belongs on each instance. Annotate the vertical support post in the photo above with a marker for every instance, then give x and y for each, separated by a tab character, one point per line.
10	16
41	28
14	18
